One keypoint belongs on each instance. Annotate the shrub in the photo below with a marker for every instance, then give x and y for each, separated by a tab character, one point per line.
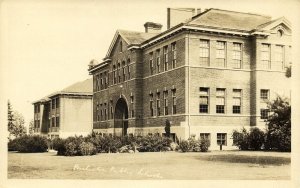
278	135
245	140
174	146
184	146
87	148
58	144
194	145
96	140
204	144
12	145
166	143
256	138
153	143
240	139
29	144
71	149
96	143
72	145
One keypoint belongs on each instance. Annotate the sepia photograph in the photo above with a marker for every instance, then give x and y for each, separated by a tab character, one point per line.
97	92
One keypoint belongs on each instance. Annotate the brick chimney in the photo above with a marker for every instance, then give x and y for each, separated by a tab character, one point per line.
151	27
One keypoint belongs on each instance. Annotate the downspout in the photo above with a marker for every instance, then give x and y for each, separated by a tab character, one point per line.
188	84
92	114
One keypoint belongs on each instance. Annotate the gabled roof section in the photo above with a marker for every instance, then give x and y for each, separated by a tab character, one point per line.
134	37
225	19
79	88
85	86
130	37
273	23
218	21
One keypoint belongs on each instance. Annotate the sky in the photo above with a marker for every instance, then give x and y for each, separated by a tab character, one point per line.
46	46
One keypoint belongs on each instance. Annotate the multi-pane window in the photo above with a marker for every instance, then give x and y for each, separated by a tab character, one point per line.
151	105
105	80
57	121
220	101
96	82
121	46
158	60
124	71
222	139
101	81
53	121
105	111
204	52
97	111
237	55
166	58
151	64
57	102
36	124
111	112
37	108
132	106
158	104
114	75
204	95
265	56
174	52
131	99
166	110
174	101
205	136
278	64
264	113
119	73
264	94
128	68
236	106
220	54
53	103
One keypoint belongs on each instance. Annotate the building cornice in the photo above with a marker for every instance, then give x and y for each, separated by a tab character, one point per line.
100	65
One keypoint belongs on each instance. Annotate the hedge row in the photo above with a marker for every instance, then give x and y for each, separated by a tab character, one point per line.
95	143
28	144
256	139
193	145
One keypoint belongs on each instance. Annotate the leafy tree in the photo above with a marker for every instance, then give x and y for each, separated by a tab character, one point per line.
245	140
16	122
241	139
279	125
10	117
31	127
256	138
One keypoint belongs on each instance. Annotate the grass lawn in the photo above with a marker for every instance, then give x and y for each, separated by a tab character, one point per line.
216	165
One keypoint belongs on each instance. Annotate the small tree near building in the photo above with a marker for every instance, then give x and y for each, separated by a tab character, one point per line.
16	123
168	128
30	127
10	117
279	125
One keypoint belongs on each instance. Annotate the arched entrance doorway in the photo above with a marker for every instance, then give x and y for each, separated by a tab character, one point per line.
121	116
